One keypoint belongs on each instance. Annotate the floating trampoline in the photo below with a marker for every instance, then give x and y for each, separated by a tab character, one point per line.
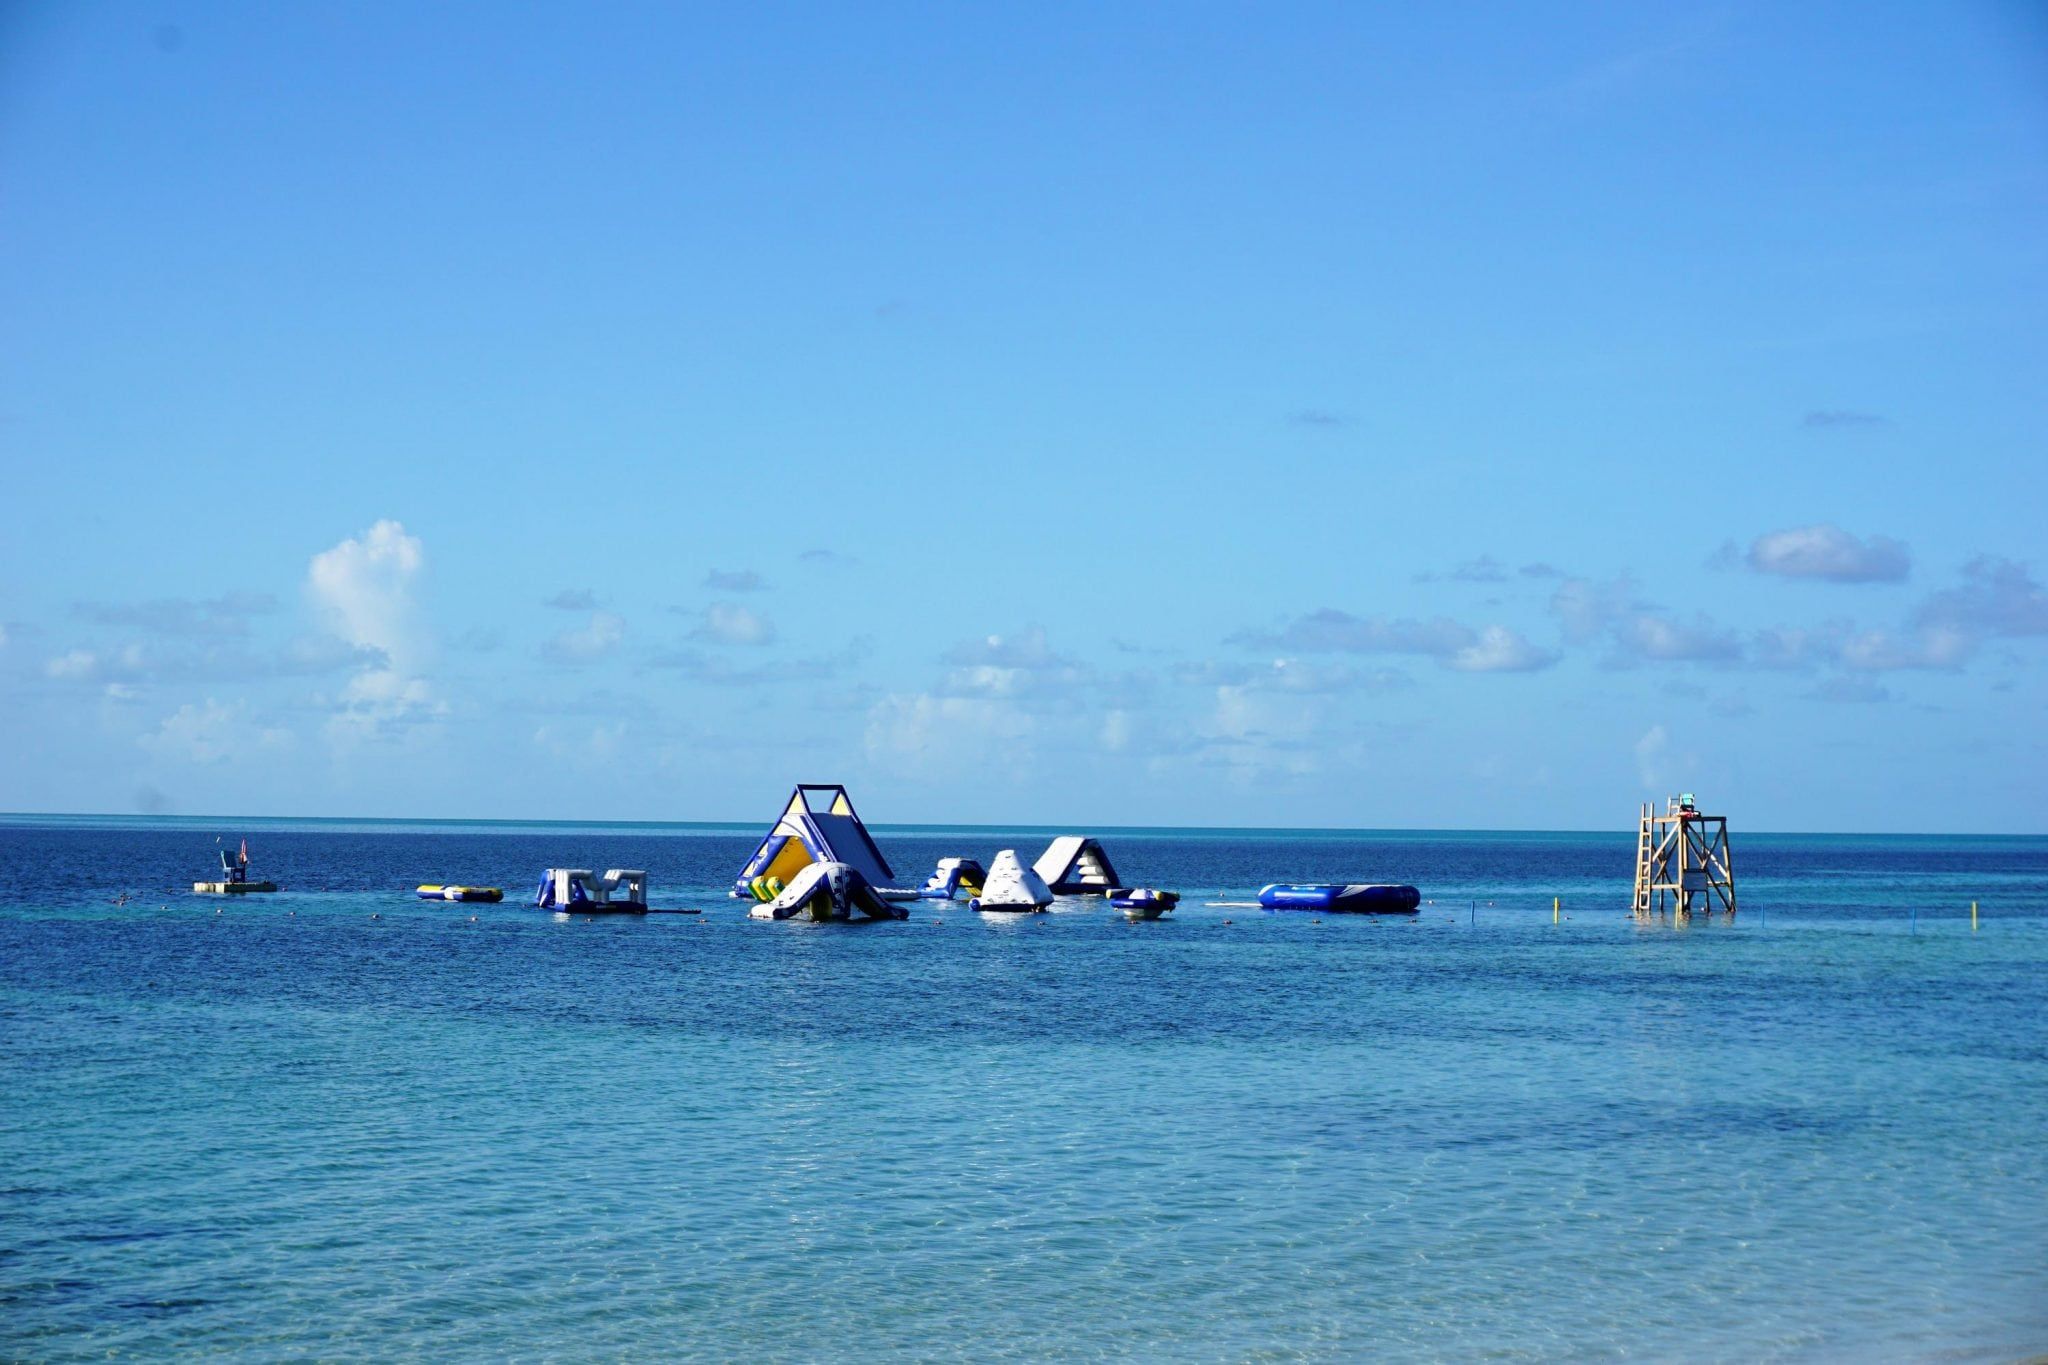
459	893
1352	898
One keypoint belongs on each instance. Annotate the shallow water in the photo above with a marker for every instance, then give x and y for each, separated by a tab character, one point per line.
292	1128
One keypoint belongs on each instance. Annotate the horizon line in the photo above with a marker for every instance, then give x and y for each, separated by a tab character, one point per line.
918	825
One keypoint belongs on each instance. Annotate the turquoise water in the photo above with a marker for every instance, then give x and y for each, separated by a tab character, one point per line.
292	1128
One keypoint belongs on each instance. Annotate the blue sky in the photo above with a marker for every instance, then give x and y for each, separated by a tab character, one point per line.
1330	415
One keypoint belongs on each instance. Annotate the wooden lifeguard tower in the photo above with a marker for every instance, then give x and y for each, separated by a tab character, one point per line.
1683	863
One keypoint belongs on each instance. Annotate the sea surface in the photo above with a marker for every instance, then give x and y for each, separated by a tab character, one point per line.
340	1122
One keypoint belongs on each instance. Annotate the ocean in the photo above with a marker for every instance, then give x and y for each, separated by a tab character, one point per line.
342	1122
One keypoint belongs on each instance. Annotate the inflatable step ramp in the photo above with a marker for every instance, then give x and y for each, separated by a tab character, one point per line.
578	890
1354	898
829	891
955	877
1012	886
818	825
1073	865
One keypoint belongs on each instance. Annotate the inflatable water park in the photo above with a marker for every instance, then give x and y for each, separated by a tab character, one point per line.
818	861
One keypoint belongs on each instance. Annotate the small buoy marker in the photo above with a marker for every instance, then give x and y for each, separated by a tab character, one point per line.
1973	917
1556	906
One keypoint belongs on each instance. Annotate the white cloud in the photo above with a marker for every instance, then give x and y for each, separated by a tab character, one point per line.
365	587
1665	640
1997	597
1828	552
126	664
594	639
1500	650
1585	608
211	733
728	623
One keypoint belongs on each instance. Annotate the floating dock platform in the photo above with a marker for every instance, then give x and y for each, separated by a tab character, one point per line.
231	888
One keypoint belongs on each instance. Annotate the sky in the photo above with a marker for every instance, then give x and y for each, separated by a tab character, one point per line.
1464	416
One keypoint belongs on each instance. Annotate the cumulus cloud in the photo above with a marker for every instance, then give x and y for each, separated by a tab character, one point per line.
365	585
1830	553
1665	640
1496	649
734	580
1998	597
126	664
210	732
728	623
1586	608
592	640
365	588
1022	664
1500	650
573	599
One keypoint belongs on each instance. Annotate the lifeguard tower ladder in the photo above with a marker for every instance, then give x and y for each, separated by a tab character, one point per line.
1683	863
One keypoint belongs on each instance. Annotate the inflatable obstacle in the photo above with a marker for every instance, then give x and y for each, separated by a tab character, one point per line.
579	891
828	891
1073	865
1353	898
954	877
1142	902
1012	886
819	825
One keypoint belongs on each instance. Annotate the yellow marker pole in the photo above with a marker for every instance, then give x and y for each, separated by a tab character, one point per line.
1553	908
1973	917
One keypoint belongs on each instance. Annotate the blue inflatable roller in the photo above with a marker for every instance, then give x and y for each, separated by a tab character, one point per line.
1353	899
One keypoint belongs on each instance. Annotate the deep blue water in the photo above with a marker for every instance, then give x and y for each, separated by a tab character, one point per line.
292	1128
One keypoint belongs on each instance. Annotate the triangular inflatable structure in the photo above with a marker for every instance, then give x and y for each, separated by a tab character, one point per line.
1074	866
828	891
817	826
1012	886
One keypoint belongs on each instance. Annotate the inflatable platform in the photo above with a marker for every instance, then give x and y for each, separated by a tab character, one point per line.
433	892
1354	898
